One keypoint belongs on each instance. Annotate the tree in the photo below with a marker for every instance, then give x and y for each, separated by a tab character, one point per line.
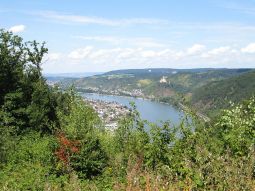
79	147
25	99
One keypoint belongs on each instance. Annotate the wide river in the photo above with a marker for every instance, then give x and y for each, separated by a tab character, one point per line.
150	110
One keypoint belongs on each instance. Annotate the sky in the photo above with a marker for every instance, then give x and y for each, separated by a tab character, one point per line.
104	35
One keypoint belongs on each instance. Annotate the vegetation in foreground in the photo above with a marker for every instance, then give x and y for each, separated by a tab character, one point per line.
51	140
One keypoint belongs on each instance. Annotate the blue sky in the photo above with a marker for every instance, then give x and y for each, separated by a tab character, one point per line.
96	36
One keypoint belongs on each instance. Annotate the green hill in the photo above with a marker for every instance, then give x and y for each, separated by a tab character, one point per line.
207	90
161	83
218	94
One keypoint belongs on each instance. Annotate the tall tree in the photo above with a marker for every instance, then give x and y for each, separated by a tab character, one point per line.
25	99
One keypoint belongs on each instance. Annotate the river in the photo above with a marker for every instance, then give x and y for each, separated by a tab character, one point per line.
150	110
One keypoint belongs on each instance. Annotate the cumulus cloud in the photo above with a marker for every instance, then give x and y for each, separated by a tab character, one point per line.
218	52
123	54
80	53
17	28
249	49
149	54
95	55
128	53
196	48
99	59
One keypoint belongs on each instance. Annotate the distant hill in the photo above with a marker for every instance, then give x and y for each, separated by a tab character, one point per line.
156	71
179	80
167	71
217	95
166	84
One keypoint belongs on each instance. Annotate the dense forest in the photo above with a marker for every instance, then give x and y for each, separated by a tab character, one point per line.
51	140
220	94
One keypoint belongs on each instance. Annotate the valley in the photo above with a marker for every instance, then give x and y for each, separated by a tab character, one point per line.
181	88
127	95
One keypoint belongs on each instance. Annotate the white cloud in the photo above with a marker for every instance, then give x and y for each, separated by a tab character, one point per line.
101	54
196	48
128	53
54	56
219	50
80	53
122	56
249	49
105	59
138	55
17	28
149	54
70	18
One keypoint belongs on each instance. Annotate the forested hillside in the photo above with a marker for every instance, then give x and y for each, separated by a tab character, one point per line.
187	86
177	80
219	94
51	140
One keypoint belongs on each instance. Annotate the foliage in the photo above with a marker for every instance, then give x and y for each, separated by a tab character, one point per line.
29	163
237	128
25	99
52	140
218	95
79	145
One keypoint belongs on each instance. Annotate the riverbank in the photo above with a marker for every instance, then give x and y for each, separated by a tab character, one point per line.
143	97
198	114
151	111
168	101
109	112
